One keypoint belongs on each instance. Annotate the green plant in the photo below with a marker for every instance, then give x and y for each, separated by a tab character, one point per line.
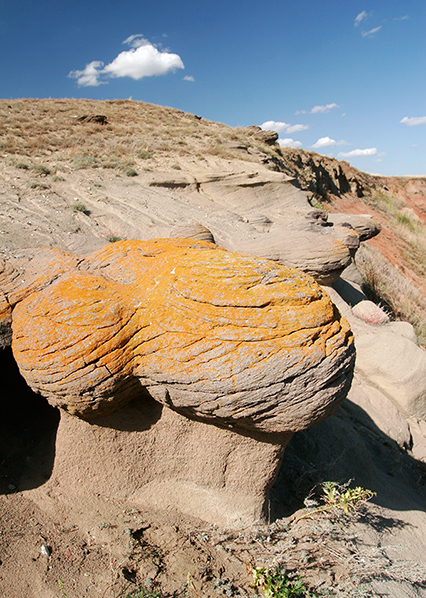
33	185
57	178
79	207
275	583
85	161
341	497
176	166
43	170
22	165
130	171
61	585
144	155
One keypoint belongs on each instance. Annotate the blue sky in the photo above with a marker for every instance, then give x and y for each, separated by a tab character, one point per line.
341	77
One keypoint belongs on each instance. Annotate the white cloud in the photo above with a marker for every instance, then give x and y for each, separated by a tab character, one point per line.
371	151
328	142
89	76
360	17
289	143
413	121
142	60
296	128
189	78
300	112
281	127
326	108
135	40
371	32
404	18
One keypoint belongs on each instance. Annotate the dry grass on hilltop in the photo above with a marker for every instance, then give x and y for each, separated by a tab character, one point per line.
135	134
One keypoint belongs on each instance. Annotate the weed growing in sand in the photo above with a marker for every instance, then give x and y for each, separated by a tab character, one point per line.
34	185
79	207
61	585
56	178
340	497
42	170
275	583
144	155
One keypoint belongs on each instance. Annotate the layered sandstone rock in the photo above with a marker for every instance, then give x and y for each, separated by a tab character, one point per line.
237	351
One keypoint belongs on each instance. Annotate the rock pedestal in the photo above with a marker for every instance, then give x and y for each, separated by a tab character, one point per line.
181	369
149	456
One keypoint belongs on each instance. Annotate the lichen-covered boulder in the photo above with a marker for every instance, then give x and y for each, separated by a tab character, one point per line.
237	341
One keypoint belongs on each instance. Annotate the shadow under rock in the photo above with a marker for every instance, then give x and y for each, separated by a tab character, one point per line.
348	446
28	429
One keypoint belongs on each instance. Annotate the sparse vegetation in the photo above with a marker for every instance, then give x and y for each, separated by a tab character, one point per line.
274	583
336	496
80	207
36	185
40	169
384	283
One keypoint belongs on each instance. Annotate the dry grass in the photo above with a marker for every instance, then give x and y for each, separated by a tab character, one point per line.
385	283
134	134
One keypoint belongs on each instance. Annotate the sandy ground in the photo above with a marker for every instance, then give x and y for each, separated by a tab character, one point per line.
112	550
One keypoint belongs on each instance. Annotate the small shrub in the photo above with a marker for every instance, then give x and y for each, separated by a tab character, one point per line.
80	207
22	165
33	185
144	155
275	583
340	497
176	166
42	170
129	171
57	178
113	239
96	184
85	161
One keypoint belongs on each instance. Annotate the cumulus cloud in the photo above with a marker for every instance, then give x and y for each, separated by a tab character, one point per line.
281	127
328	142
289	143
370	151
371	32
326	108
89	75
142	60
360	17
413	121
189	78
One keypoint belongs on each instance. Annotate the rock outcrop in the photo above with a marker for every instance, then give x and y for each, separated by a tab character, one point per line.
243	351
215	335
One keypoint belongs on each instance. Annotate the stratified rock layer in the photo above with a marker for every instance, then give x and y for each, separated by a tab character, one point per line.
236	341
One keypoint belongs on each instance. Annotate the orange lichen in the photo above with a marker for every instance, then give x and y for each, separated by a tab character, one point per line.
208	332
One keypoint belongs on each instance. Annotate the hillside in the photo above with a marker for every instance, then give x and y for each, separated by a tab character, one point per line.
80	175
57	154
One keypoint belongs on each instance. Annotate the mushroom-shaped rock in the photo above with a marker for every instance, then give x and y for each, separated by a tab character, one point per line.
180	335
237	341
